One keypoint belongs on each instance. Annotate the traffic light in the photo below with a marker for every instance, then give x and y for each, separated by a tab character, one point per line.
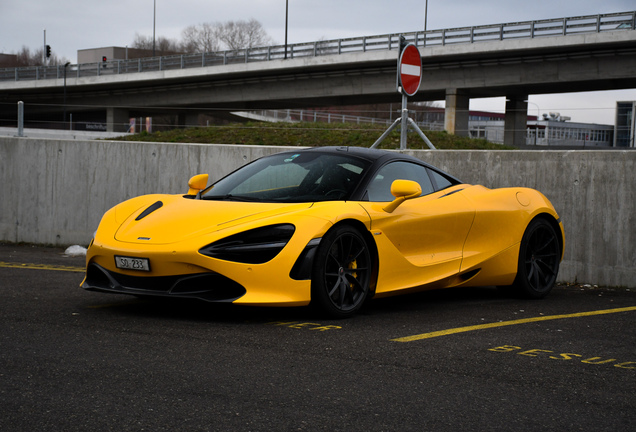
403	44
48	51
104	59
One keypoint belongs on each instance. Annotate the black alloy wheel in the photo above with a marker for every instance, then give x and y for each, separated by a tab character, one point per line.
342	272
539	259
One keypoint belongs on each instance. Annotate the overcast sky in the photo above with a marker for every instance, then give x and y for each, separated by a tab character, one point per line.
73	25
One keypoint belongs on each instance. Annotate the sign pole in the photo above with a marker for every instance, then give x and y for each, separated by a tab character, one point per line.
405	124
409	77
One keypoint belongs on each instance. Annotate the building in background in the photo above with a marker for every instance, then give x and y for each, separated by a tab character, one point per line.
551	129
625	127
8	60
556	130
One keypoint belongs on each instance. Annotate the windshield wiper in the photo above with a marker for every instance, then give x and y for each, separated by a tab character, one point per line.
230	197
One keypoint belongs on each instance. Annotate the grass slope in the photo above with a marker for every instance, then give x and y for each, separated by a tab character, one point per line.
310	135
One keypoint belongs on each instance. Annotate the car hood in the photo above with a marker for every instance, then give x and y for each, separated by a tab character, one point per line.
164	219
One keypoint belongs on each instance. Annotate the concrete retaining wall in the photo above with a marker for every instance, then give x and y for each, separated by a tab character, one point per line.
55	191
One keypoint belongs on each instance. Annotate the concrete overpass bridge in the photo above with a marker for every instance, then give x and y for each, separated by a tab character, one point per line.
513	60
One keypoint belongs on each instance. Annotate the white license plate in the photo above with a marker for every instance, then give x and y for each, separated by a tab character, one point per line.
131	263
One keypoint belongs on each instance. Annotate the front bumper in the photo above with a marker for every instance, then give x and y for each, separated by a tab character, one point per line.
208	286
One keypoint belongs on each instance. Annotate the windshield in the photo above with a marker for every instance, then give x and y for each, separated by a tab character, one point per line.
289	177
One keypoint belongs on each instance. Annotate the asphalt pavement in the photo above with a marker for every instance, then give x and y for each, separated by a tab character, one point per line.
453	360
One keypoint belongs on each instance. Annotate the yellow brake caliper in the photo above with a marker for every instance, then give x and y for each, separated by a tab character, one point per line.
352	266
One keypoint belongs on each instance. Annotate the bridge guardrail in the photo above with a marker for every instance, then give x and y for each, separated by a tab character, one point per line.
493	32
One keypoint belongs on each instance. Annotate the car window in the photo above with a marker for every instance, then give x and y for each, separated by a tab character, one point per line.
441	181
272	177
380	187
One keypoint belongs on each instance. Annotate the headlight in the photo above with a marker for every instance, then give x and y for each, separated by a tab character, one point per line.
255	246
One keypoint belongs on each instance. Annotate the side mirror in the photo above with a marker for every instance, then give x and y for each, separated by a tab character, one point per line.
197	184
402	190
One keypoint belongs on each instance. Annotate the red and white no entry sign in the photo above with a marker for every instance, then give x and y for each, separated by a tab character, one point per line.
410	69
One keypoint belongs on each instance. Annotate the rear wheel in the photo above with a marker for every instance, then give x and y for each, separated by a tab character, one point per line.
342	272
539	259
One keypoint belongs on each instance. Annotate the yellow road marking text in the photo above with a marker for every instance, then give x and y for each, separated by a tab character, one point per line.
304	325
539	353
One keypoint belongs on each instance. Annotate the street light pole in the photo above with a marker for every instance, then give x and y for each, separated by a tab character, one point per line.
286	24
425	14
64	121
154	20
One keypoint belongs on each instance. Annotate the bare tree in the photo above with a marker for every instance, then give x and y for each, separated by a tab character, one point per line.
236	35
142	42
201	38
26	57
211	37
167	45
161	43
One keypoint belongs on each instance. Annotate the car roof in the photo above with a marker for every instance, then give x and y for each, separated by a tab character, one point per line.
375	156
369	154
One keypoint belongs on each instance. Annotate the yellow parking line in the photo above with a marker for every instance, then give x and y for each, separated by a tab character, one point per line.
509	323
43	267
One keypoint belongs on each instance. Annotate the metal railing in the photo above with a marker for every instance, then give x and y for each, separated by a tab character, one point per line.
494	32
302	115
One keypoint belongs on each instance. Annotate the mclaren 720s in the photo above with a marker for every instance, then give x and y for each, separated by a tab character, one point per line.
328	226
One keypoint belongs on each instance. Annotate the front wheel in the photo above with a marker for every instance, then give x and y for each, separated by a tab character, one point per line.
342	272
539	259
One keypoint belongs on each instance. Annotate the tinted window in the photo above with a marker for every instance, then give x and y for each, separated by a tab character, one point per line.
301	177
441	181
380	187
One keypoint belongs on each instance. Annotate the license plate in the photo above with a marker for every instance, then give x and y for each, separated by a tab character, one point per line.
131	263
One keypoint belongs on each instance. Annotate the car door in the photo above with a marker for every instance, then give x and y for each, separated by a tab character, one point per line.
422	239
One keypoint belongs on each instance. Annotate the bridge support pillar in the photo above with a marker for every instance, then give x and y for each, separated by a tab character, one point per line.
117	119
516	120
456	116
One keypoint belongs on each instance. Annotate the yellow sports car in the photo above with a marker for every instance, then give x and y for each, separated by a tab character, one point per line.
328	226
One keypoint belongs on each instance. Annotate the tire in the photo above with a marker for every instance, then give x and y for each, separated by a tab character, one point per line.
539	259
341	273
